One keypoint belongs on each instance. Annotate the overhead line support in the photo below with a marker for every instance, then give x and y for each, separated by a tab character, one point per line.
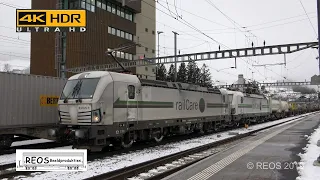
202	56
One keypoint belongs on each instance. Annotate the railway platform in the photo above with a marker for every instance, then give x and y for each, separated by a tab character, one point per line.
272	155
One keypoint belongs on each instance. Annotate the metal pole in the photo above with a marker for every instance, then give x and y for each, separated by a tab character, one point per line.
159	32
318	7
175	55
158	56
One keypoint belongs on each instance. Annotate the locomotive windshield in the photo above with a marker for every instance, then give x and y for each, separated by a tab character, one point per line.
80	88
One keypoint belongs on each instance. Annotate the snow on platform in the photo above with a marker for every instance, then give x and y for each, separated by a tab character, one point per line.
120	161
306	169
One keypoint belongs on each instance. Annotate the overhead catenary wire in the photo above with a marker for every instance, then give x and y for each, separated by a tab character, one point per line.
179	31
13	55
257	29
186	23
315	32
232	21
213	22
175	6
12	5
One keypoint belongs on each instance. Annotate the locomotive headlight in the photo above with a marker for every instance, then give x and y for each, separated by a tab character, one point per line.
96	117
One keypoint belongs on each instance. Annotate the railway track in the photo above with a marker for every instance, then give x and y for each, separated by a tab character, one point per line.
8	170
137	169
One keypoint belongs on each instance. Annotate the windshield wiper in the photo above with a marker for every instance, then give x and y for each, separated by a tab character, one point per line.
74	91
77	91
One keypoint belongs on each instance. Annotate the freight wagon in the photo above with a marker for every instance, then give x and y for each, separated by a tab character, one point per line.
28	106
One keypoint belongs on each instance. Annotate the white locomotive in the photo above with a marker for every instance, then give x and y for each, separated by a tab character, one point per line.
100	108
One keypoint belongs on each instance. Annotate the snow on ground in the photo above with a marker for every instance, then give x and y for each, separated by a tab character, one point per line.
34	141
306	169
120	161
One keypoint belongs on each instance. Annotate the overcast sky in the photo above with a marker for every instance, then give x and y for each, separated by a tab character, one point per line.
273	21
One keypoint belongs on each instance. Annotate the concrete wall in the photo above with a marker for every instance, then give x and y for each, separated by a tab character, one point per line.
146	36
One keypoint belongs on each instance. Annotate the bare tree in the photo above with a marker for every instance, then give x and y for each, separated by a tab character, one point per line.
7	68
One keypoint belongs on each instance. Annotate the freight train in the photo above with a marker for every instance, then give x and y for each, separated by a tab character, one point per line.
28	106
101	108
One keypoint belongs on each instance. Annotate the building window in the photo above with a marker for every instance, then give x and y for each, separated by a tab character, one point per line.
126	55
118	32
118	11
126	12
130	57
122	34
146	49
153	51
109	7
122	12
118	54
71	5
103	4
83	5
88	6
92	8
146	68
113	9
146	29
130	37
127	35
152	69
113	31
122	55
93	2
152	32
98	4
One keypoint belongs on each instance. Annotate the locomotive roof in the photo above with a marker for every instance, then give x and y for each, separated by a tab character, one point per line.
178	85
90	74
115	76
246	95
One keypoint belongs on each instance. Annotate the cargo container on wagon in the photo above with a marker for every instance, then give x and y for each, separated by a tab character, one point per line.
28	105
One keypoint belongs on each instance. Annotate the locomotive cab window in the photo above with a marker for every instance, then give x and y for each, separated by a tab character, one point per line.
131	92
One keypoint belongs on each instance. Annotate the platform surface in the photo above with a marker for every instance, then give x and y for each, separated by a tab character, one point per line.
268	155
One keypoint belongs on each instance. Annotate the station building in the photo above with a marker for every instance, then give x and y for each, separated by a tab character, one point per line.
109	25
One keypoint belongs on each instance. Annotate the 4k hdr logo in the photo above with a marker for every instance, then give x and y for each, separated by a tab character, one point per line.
51	18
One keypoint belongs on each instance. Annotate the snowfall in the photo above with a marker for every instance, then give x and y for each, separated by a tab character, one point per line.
120	161
306	169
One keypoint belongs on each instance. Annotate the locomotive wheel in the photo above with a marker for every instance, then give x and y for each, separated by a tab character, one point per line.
158	138
237	124
126	142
